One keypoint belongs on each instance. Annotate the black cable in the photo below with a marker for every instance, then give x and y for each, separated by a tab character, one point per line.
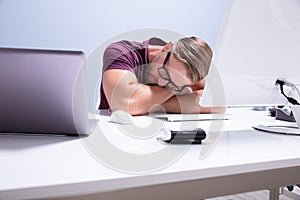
290	99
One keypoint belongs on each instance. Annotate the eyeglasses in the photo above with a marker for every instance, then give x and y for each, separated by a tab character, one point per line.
164	74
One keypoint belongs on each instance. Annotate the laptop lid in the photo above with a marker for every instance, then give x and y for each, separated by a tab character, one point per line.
43	91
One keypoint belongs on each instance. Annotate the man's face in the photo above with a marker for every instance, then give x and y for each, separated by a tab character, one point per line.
173	74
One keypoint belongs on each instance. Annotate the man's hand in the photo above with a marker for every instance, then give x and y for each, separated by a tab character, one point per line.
185	91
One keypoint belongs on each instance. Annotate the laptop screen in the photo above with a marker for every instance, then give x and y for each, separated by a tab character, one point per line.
42	91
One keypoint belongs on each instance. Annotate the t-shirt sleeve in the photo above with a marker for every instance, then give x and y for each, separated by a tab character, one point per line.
116	56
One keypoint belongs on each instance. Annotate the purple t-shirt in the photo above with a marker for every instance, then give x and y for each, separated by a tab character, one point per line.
126	55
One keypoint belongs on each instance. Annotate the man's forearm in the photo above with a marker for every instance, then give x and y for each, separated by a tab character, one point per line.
189	104
182	104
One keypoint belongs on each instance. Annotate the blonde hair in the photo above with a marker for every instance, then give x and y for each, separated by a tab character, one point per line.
196	54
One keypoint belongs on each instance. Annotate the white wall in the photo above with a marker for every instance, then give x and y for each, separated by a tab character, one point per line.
84	24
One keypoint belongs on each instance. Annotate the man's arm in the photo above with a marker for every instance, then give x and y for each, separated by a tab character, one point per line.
124	92
190	103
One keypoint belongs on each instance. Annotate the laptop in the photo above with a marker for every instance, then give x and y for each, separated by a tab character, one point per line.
43	92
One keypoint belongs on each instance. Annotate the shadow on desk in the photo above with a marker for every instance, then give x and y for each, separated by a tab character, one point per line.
10	141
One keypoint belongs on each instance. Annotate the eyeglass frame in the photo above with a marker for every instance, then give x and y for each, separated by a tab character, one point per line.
163	67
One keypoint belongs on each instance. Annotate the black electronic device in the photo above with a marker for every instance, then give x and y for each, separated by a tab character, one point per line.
184	137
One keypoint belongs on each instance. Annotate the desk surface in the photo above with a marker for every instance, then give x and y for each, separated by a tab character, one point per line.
50	166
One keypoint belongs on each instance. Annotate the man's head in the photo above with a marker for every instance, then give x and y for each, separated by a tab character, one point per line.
196	54
184	63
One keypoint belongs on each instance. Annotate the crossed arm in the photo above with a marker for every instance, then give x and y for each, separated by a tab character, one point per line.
123	92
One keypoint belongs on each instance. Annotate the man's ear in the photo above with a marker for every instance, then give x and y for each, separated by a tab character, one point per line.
167	47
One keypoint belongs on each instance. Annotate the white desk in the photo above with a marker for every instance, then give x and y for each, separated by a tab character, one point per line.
62	167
